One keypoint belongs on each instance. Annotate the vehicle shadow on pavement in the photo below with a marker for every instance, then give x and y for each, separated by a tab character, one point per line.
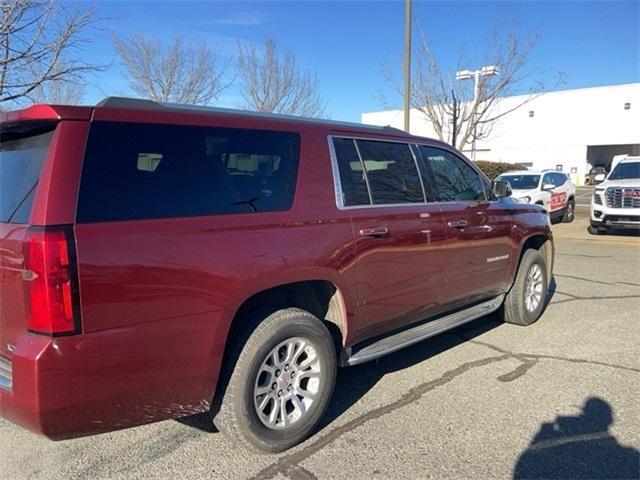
354	382
579	447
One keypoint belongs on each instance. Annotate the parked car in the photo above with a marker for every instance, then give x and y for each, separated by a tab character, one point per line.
616	202
596	175
159	261
553	190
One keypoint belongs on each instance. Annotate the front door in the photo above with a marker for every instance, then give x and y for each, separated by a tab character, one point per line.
478	229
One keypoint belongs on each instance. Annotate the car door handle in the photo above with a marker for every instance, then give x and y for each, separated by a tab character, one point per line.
458	223
374	232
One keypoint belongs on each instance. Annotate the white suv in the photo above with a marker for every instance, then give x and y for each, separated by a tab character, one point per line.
549	188
616	201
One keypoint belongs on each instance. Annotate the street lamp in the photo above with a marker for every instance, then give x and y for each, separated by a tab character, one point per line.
486	71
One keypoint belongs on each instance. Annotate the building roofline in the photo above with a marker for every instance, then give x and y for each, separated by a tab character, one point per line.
549	92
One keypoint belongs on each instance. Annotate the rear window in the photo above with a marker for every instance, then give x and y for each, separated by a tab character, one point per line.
23	148
142	171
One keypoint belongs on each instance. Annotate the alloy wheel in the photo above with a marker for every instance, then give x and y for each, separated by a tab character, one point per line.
287	383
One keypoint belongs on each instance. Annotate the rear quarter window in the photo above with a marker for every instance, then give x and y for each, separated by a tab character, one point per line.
23	148
143	171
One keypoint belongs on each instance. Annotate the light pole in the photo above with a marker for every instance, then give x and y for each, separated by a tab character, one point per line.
487	71
407	64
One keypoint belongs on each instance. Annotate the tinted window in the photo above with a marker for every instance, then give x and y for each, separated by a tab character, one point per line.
521	182
558	179
23	148
547	179
391	172
138	171
454	179
625	170
352	181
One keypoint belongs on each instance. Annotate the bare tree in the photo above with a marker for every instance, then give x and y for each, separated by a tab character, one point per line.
457	115
59	91
40	42
273	83
178	73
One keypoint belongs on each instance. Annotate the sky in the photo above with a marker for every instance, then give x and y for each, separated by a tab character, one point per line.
347	43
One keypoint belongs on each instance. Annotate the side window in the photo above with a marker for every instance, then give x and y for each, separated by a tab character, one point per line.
560	179
391	172
140	171
352	179
454	179
547	179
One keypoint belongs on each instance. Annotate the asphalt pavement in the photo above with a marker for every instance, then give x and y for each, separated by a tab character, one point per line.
558	399
583	195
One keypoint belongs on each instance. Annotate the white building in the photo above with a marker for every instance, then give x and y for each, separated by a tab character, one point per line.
566	130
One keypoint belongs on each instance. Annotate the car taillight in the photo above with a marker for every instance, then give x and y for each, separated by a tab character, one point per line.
50	276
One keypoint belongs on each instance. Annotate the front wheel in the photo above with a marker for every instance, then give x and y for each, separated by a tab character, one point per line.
525	301
281	383
569	212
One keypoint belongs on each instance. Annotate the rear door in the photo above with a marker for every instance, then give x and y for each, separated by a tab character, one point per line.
23	149
478	229
399	235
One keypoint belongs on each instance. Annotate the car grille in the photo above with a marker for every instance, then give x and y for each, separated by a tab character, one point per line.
623	197
6	373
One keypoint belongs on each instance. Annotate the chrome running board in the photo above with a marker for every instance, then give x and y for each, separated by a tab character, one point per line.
404	338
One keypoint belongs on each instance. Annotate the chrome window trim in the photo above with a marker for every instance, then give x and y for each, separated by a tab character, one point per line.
415	162
337	182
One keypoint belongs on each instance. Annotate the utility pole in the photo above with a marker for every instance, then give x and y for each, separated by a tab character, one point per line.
407	64
454	133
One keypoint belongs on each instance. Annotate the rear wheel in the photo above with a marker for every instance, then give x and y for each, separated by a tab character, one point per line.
281	383
569	211
525	301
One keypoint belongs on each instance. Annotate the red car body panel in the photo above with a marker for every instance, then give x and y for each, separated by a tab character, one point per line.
400	275
158	297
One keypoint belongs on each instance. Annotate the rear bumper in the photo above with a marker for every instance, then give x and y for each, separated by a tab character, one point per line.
84	384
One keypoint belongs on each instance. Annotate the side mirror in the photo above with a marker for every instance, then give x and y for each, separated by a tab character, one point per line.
548	186
501	188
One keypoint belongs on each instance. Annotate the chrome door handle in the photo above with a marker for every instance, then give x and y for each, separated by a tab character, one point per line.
374	232
458	223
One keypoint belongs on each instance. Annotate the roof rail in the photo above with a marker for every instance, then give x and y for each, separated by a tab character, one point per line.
145	104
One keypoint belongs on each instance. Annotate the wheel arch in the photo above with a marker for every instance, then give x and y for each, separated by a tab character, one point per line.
321	295
541	242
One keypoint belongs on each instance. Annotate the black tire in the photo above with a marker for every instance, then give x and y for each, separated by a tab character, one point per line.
593	230
569	211
238	415
514	309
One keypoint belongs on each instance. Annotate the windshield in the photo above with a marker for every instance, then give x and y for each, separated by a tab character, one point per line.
625	170
521	182
23	148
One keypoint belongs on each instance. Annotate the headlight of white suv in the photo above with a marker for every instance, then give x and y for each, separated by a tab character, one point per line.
525	199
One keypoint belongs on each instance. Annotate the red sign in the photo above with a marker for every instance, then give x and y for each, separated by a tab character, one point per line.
558	200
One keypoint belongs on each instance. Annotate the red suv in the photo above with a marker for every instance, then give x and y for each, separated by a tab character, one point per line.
158	261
